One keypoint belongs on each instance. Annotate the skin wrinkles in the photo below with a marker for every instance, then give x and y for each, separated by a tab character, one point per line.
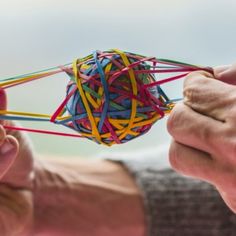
203	128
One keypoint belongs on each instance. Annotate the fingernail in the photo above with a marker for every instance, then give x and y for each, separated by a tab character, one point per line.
6	147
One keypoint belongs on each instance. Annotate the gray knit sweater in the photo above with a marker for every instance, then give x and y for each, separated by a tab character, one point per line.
177	205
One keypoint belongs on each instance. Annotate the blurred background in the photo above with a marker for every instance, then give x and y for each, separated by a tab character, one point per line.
39	34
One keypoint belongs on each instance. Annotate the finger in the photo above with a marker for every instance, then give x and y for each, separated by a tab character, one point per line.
8	153
191	162
193	129
228	75
3	101
208	96
219	69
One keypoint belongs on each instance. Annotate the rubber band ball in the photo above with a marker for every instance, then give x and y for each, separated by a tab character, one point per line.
110	102
112	97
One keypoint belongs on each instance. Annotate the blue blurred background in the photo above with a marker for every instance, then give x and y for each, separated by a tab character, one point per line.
39	34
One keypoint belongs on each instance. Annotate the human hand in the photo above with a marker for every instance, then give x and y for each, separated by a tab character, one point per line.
204	131
16	180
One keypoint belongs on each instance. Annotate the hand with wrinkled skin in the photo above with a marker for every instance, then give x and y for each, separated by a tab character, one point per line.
203	128
16	180
55	197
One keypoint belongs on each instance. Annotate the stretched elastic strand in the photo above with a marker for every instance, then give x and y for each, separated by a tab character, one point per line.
42	131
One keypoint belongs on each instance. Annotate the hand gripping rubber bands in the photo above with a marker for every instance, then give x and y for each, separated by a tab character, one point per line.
111	98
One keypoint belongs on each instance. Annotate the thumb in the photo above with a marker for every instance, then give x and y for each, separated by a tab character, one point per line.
226	74
8	153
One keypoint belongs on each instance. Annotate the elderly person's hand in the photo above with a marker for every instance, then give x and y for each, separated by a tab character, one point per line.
16	180
203	128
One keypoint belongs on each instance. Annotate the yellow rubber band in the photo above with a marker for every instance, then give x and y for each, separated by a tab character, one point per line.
85	102
135	91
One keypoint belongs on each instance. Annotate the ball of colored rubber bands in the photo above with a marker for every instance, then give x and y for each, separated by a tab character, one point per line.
110	102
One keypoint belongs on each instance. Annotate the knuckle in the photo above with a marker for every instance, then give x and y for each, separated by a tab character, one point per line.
193	85
190	76
190	93
195	76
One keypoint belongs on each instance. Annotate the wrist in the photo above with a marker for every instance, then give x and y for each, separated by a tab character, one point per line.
90	197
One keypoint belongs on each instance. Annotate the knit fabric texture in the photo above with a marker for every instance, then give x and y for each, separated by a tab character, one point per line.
180	206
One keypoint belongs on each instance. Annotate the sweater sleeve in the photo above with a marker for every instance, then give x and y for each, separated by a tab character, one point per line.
177	205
